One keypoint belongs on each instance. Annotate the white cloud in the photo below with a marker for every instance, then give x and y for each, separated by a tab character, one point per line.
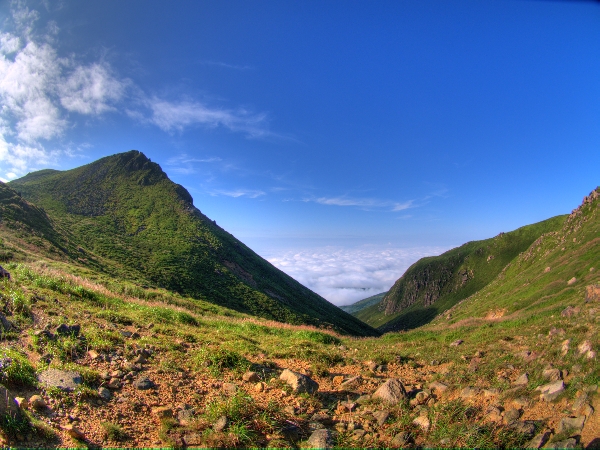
365	203
91	90
344	276
250	193
176	116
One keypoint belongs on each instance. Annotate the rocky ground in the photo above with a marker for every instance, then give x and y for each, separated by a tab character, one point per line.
126	397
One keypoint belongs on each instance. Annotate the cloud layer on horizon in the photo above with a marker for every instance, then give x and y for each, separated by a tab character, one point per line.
344	276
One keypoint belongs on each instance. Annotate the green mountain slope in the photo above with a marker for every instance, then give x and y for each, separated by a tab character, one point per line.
434	284
558	268
364	303
125	212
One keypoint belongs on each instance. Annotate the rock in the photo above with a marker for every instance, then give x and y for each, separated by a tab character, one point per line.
580	401
567	443
251	377
390	392
221	424
229	389
556	332
524	427
37	402
493	414
320	439
67	380
64	329
592	293
104	393
511	415
401	440
381	416
337	380
140	359
192	440
363	399
552	374
143	383
522	380
438	386
299	383
492	392
547	269
539	440
93	354
584	347
163	412
260	386
186	415
456	343
114	383
422	422
357	435
565	347
422	396
569	311
469	392
352	383
572	425
74	432
550	392
321	417
572	281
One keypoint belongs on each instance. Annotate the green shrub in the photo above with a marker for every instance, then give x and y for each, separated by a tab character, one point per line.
218	360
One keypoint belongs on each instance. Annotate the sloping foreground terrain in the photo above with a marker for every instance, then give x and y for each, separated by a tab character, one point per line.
433	284
123	217
112	364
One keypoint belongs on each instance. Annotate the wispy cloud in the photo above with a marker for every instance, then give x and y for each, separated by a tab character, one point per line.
364	203
226	66
344	276
249	193
185	165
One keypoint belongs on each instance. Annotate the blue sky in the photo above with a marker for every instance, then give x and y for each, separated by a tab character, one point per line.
342	140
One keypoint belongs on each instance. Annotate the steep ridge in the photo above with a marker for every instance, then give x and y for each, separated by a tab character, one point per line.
124	210
434	284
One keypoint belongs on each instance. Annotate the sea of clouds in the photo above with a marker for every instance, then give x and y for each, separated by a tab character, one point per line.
346	275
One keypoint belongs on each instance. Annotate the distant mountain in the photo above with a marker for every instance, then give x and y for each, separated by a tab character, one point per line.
364	303
435	284
123	216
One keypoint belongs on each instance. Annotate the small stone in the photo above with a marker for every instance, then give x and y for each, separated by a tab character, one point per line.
569	311
93	354
584	347
37	402
391	392
401	440
186	415
567	443
539	440
372	365
511	415
438	386
74	432
352	383
229	389
251	377
144	383
320	439
552	374
547	269
221	424
456	343
140	359
572	281
522	380
260	386
550	392
423	422
524	427
469	392
163	412
299	383
337	380
493	414
114	383
358	434
381	416
104	393
572	425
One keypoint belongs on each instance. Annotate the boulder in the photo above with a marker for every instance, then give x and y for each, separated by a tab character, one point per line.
299	383
572	425
320	439
538	440
390	392
251	377
144	383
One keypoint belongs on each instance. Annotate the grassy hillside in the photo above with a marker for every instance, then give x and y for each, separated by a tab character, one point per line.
434	284
123	210
364	303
